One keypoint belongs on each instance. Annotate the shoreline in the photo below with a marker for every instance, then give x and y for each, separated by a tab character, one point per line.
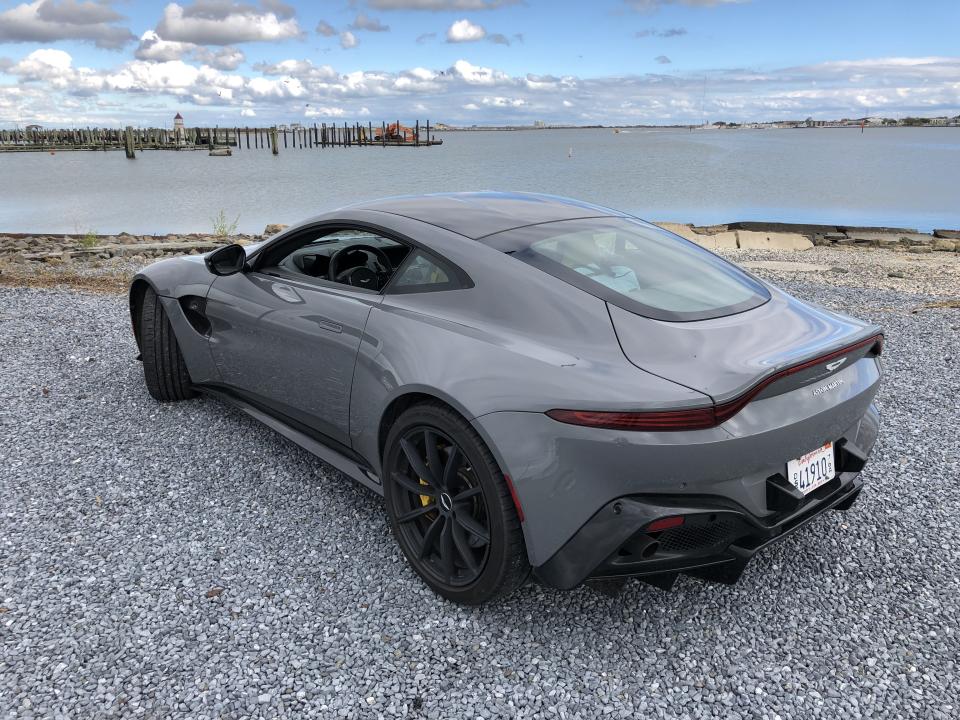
743	235
869	257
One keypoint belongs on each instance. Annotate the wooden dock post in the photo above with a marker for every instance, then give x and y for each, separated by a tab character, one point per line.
273	140
416	135
128	142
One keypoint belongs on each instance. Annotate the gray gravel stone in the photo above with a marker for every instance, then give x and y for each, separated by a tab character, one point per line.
118	516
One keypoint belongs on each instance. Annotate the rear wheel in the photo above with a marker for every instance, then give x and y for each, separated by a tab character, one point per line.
163	367
450	508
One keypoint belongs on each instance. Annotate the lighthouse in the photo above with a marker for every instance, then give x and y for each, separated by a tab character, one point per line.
178	132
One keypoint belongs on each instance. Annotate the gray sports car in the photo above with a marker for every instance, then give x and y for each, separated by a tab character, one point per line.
532	383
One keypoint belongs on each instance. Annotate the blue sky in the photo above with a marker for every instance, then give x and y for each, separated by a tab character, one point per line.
475	61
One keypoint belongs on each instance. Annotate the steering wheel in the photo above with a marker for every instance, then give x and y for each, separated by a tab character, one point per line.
360	275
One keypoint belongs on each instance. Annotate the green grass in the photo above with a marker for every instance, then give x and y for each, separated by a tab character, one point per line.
89	239
222	227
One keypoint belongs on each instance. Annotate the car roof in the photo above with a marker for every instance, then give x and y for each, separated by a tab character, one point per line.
478	214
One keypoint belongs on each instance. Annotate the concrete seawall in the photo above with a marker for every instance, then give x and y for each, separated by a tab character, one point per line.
786	236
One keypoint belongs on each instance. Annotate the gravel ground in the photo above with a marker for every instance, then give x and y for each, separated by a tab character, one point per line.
182	560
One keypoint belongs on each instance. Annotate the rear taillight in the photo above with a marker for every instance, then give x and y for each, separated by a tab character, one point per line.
703	417
694	419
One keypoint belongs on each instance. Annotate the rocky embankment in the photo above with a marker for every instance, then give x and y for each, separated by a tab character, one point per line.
787	236
852	256
99	262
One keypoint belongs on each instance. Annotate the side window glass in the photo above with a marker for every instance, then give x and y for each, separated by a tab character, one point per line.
423	274
358	258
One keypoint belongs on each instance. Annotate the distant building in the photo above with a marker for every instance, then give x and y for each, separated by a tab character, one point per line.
539	124
34	128
179	133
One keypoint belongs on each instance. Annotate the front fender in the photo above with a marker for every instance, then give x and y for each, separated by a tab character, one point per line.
173	279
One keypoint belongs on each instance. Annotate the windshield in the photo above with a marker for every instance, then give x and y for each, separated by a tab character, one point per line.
636	266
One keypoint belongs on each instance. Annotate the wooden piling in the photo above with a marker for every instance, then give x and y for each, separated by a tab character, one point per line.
273	140
128	142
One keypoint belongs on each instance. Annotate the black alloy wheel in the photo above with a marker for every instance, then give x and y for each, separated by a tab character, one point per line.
450	509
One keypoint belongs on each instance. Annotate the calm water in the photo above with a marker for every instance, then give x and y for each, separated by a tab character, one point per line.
899	176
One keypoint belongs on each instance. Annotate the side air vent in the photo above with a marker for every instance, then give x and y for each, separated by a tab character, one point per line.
195	310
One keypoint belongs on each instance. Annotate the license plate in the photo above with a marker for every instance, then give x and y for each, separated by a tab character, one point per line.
810	471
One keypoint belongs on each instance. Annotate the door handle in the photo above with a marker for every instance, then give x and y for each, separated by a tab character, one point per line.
325	323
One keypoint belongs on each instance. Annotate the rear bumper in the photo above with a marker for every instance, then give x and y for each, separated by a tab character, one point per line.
716	541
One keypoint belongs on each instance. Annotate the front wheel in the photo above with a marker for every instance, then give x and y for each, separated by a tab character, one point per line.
164	370
450	508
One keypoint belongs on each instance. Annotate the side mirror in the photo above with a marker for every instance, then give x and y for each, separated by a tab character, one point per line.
227	260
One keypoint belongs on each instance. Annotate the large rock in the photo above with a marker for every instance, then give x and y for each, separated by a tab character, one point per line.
948	234
944	245
273	229
676	228
717	241
713	241
756	240
778	227
888	239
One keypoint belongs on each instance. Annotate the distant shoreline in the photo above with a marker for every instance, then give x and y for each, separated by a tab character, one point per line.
693	128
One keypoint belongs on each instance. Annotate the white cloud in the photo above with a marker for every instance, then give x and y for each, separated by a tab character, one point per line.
313	112
48	20
214	22
225	58
326	29
175	77
348	40
153	47
465	31
503	102
476	75
440	5
43	64
652	5
47	83
248	112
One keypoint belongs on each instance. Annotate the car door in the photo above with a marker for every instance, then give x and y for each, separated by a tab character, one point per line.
290	344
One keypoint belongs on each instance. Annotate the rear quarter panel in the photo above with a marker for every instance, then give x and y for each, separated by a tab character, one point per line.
519	340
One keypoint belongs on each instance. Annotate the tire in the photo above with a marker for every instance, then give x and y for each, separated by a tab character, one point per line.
163	367
457	527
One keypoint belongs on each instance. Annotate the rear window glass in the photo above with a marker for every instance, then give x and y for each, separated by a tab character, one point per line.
633	265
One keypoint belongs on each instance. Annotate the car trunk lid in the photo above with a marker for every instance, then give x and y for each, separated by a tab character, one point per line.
730	357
